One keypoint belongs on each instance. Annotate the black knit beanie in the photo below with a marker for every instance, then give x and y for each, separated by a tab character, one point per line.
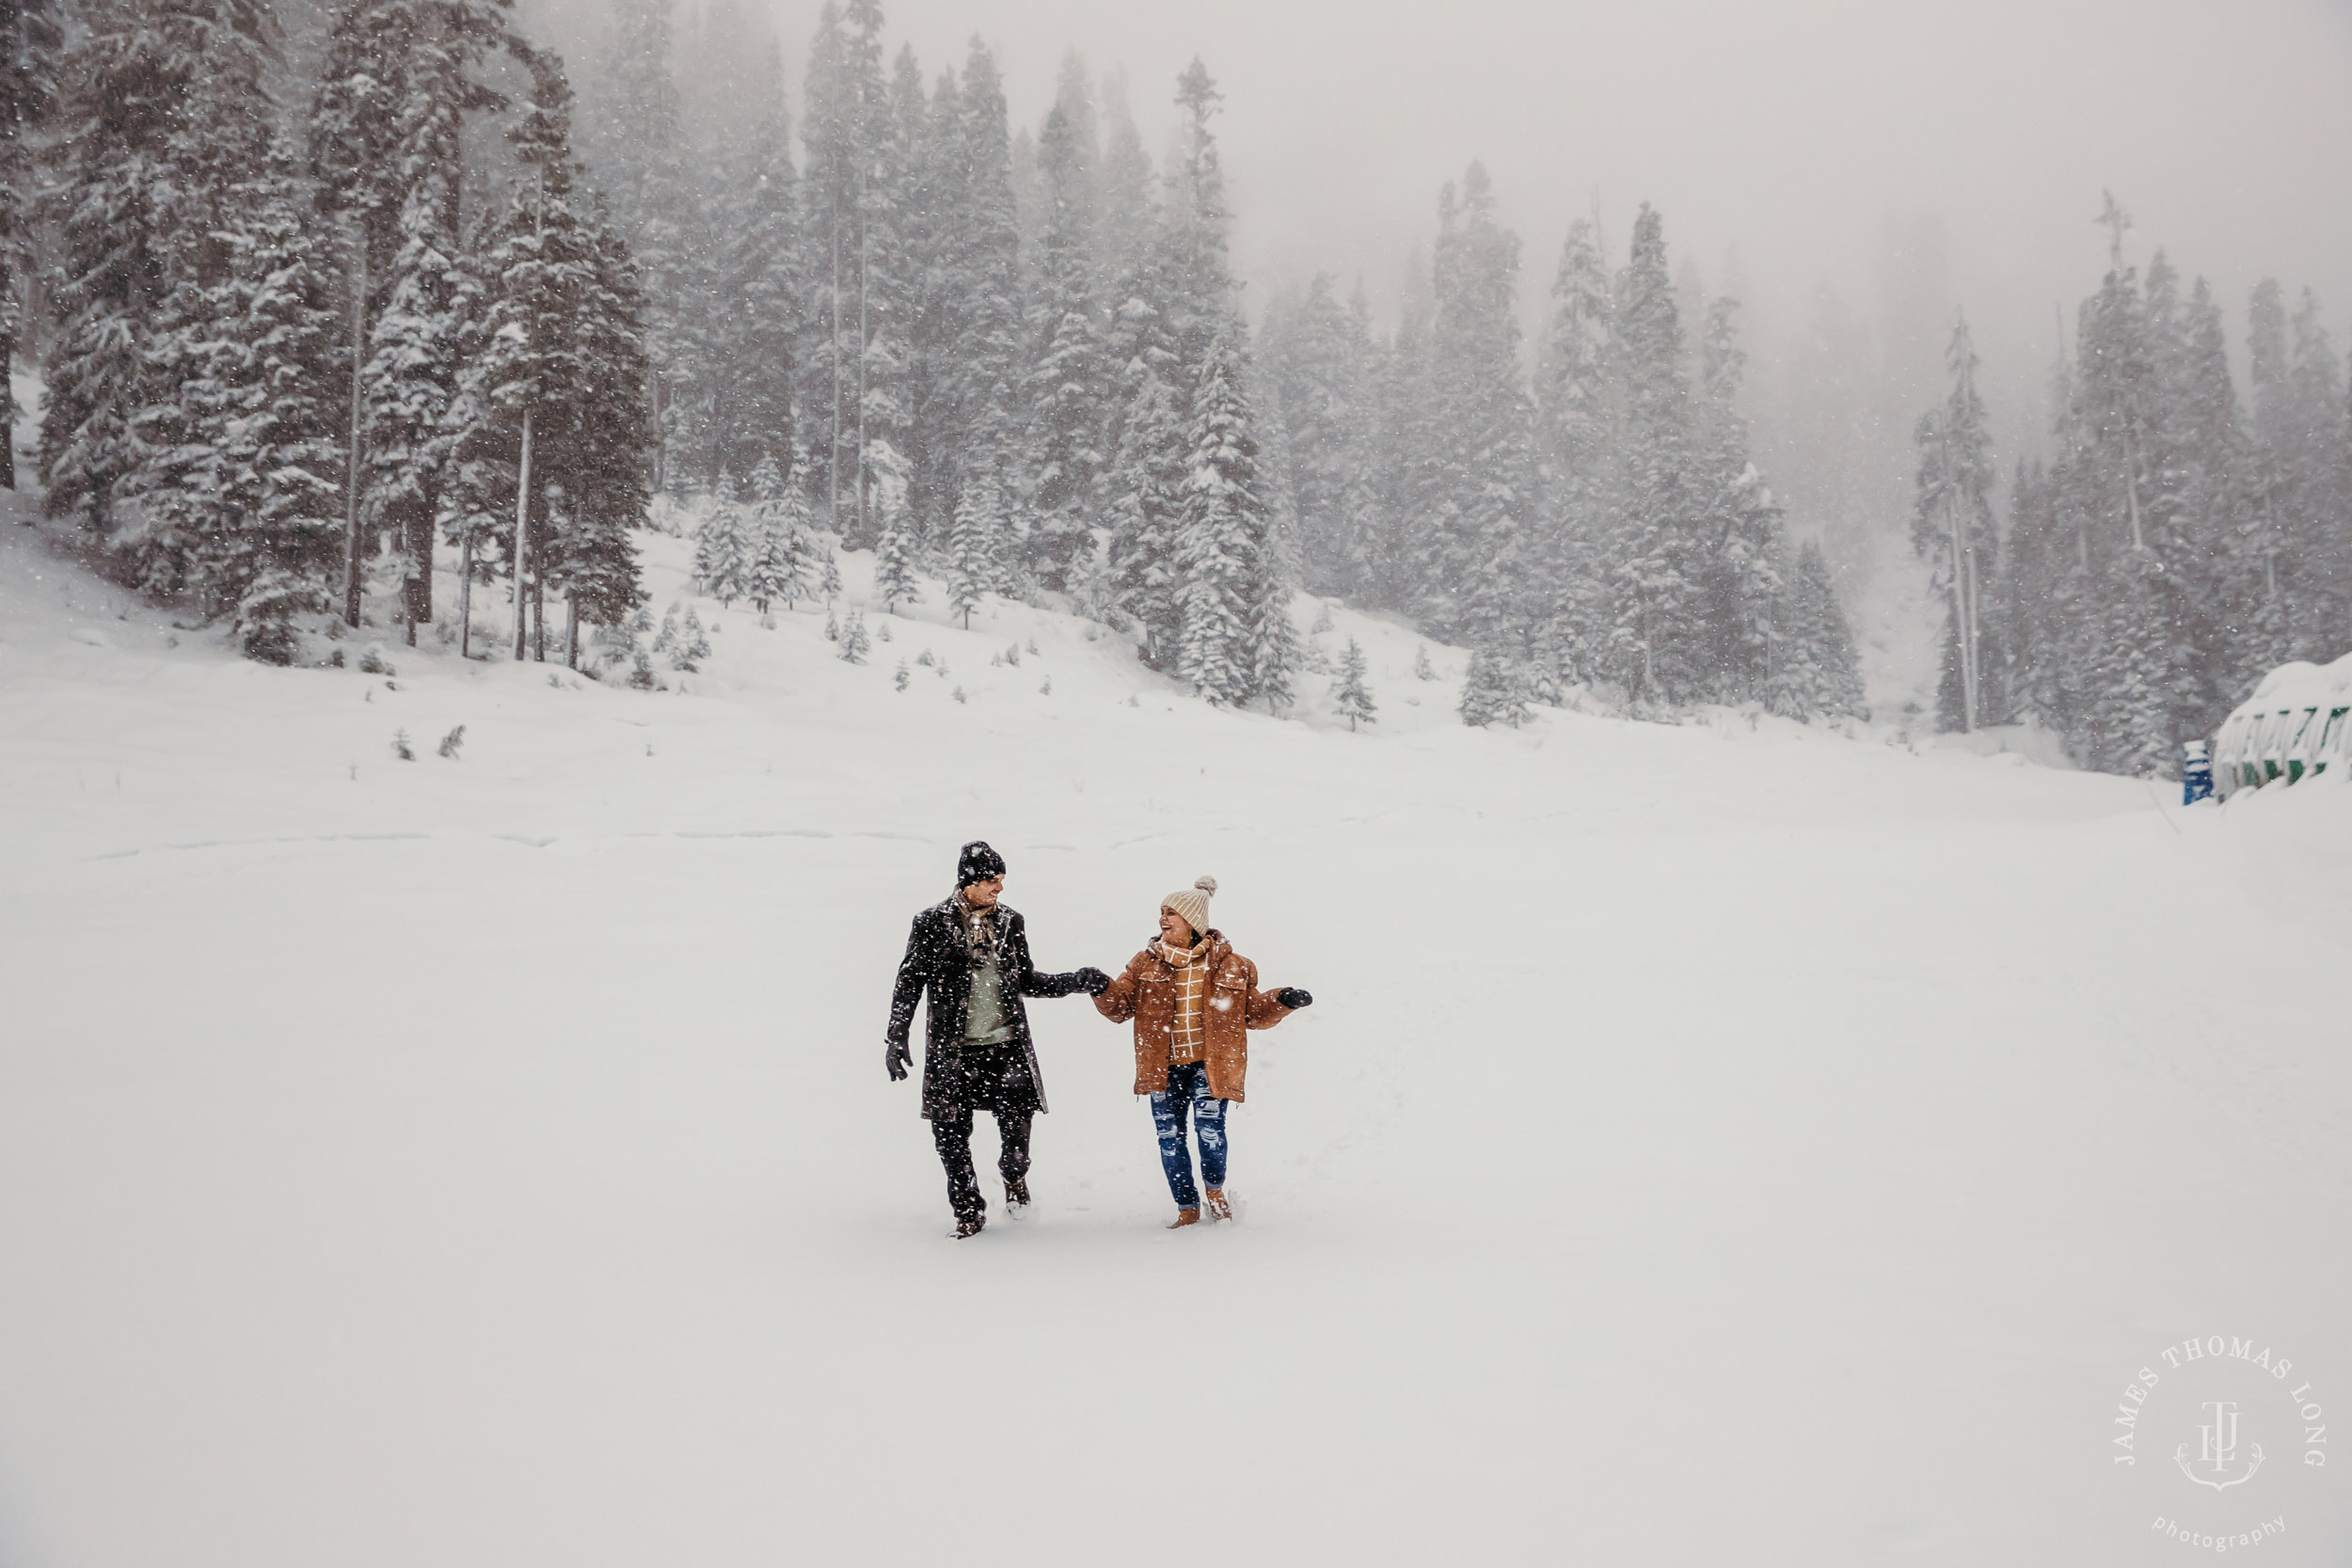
978	863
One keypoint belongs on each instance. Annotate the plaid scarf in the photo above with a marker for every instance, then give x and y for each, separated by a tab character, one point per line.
1188	1038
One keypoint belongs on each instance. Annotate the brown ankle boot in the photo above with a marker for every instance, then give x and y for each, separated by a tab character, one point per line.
1218	1207
1185	1217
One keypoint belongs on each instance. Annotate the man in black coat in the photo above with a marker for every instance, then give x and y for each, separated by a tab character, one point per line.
971	955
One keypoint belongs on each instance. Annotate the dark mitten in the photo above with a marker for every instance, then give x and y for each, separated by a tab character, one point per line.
1293	998
1094	981
896	1058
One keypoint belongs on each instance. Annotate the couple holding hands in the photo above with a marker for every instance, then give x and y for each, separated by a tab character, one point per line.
1192	998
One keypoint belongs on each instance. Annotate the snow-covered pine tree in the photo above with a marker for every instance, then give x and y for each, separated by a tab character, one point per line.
1351	694
887	288
727	546
552	393
140	181
1124	218
1491	691
1480	469
973	544
856	353
1577	420
1066	384
1273	637
241	461
635	142
2315	464
1194	289
387	148
1145	519
759	300
894	571
601	455
1741	543
832	137
534	267
2128	664
983	357
1654	641
1815	674
783	562
1224	538
1318	357
29	91
1952	528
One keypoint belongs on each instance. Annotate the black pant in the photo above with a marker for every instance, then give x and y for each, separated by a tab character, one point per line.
951	1132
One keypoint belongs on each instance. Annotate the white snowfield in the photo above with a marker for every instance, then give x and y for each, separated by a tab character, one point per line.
1710	1145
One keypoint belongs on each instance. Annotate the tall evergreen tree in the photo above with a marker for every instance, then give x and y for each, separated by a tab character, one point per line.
1952	528
241	467
1145	520
1577	420
1068	382
560	335
386	144
1652	641
1739	546
1195	281
29	91
1479	478
1228	588
758	299
643	167
1318	356
161	116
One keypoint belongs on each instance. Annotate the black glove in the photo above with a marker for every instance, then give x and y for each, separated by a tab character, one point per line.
1293	998
895	1057
1093	981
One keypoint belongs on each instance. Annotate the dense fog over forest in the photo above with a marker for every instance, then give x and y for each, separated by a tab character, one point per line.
1956	369
1900	160
1852	173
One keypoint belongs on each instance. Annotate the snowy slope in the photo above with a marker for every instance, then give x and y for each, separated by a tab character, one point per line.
1712	1144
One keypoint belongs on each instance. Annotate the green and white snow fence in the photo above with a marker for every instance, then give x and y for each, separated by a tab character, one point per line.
2297	722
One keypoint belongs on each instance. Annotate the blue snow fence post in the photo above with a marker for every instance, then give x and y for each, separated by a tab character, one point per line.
2196	773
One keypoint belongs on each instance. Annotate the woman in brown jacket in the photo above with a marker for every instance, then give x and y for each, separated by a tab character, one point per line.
1194	1000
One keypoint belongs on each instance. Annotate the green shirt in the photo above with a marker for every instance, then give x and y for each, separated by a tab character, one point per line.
985	1020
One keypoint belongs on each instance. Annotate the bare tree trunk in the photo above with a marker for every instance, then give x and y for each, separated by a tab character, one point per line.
538	619
8	404
833	466
351	501
862	273
465	597
522	534
571	630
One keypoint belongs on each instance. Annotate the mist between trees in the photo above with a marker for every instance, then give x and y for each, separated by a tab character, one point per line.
321	292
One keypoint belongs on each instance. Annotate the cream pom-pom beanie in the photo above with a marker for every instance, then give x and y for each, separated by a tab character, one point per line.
1192	903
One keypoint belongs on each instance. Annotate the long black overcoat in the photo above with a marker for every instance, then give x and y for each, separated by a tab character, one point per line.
1002	1078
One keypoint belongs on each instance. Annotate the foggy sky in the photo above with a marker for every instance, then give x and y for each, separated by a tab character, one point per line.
1790	145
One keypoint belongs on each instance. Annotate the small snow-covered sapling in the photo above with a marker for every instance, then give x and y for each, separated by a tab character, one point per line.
451	741
399	745
898	679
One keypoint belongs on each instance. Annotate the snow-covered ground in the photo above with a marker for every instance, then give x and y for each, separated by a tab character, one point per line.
1710	1145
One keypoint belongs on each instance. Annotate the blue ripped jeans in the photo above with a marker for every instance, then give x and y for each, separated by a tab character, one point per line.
1188	1092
